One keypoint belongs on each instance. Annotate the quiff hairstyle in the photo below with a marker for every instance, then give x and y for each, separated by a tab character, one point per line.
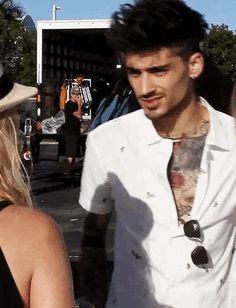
153	24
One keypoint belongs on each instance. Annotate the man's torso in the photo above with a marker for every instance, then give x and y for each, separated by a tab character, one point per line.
152	254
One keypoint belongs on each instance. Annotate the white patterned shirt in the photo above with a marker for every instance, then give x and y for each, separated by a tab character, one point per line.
125	169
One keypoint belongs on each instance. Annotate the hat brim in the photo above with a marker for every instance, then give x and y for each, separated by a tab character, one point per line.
18	94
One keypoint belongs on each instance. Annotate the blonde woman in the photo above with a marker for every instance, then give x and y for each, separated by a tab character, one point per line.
34	269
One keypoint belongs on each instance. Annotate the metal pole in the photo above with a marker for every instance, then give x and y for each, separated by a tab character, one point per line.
55	8
54	12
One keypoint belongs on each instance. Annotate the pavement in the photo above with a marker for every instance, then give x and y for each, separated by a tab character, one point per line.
57	195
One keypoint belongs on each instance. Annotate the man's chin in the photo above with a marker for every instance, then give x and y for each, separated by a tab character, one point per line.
152	115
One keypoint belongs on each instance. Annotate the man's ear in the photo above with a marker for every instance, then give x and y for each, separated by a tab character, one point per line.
196	65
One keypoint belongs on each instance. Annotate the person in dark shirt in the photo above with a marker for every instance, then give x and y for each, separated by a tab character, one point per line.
72	127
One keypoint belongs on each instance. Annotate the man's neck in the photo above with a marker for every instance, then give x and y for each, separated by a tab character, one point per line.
191	122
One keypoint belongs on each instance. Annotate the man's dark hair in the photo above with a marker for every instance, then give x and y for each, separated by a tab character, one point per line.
153	24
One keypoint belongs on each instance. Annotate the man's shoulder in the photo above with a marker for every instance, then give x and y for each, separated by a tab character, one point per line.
219	117
123	130
223	118
223	129
69	103
130	120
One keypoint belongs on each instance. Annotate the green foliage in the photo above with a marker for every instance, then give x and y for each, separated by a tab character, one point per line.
17	47
220	45
10	10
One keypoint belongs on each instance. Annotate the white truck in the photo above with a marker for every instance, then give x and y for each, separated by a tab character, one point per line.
68	47
64	49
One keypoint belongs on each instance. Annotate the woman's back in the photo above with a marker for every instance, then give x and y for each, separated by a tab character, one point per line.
9	294
33	261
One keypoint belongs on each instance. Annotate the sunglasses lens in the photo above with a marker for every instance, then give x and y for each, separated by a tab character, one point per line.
192	229
199	256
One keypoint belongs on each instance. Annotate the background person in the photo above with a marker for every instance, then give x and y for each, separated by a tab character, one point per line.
72	127
78	79
168	170
66	87
34	266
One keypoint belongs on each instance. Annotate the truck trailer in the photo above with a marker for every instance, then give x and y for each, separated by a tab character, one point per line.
68	47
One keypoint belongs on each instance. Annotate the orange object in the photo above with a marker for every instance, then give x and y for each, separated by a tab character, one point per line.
63	93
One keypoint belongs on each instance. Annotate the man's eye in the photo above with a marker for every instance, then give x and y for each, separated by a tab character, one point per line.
159	72
133	73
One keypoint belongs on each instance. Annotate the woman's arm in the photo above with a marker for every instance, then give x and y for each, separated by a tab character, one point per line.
51	283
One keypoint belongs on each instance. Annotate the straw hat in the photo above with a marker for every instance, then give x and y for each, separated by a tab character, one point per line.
12	94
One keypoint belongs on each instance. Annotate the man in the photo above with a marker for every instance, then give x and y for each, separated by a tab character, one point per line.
78	79
66	86
72	127
168	170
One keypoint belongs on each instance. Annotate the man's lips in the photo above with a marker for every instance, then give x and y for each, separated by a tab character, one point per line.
152	102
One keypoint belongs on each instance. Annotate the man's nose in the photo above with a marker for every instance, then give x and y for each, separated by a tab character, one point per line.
147	85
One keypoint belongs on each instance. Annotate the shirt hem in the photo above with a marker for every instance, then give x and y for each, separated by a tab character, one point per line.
92	207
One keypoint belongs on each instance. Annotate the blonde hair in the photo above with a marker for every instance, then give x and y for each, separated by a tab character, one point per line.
14	181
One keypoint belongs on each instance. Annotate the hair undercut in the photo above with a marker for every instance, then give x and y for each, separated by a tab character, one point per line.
154	24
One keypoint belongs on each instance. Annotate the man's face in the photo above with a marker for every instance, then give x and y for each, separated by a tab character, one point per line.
79	79
75	98
161	82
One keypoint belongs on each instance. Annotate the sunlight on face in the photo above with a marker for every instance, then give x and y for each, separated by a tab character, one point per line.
160	80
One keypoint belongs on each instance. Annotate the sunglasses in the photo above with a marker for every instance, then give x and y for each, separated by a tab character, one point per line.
199	255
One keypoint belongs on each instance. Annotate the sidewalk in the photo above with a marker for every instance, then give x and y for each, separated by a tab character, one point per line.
57	195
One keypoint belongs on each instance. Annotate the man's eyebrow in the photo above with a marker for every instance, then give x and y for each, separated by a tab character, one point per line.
156	68
130	68
159	68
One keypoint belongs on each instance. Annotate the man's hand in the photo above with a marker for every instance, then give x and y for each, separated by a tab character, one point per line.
77	114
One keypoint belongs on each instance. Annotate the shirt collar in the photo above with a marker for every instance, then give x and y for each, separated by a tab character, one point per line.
148	133
217	136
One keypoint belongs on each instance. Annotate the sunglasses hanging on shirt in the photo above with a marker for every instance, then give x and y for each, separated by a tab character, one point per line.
199	255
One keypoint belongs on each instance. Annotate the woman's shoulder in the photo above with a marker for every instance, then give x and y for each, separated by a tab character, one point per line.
28	223
25	212
36	255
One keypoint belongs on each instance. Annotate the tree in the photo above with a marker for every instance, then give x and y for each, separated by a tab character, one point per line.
215	83
10	10
220	45
17	47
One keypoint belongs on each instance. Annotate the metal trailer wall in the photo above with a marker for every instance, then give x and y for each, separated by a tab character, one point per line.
67	47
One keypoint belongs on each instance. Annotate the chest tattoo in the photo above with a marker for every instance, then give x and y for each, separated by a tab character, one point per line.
183	171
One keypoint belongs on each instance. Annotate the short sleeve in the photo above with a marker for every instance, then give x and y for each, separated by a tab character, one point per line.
95	193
